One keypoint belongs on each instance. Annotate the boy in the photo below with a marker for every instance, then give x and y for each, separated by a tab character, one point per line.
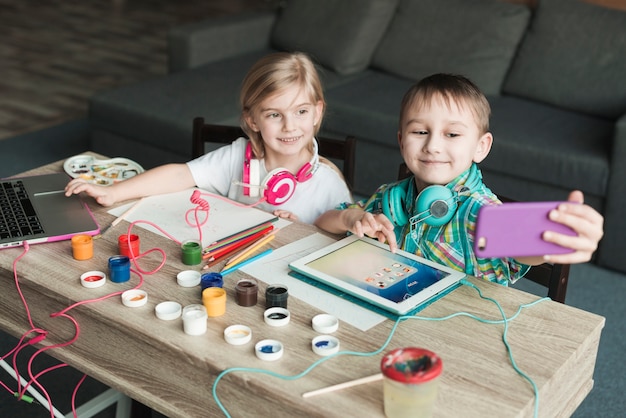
443	135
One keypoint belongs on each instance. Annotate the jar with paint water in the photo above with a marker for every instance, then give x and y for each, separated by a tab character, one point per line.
410	382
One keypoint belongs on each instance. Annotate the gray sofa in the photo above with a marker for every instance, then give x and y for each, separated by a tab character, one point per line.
554	73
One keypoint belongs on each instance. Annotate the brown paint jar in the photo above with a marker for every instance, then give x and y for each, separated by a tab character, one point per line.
246	292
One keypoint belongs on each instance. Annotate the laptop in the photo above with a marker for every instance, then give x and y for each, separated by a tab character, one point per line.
36	210
365	268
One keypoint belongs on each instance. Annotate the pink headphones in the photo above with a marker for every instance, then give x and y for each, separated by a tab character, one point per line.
279	184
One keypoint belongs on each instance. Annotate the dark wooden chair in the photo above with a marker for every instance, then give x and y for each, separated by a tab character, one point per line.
552	276
340	152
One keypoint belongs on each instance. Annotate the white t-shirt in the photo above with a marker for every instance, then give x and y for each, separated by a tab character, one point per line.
217	172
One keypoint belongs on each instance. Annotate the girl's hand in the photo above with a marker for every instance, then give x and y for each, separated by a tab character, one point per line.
101	194
285	215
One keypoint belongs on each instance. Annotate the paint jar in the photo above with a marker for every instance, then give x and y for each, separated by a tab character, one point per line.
276	295
194	319
246	292
119	268
214	300
127	243
82	247
211	280
191	252
410	382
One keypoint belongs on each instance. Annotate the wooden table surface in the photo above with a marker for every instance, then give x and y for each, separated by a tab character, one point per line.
156	363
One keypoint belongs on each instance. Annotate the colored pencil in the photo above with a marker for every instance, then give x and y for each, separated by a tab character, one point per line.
235	245
234	237
245	262
249	251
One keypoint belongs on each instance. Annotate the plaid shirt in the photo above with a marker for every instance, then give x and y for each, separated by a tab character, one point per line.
451	244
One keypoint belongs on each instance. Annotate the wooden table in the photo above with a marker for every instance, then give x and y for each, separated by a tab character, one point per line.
156	363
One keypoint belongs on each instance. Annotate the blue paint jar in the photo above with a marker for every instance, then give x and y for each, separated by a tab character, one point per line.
211	280
119	269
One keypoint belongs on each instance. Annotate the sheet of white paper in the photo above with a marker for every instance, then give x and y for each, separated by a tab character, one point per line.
274	268
168	211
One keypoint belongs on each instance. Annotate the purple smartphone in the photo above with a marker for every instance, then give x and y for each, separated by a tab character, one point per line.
515	229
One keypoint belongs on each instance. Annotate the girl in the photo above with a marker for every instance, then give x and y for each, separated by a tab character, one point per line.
282	106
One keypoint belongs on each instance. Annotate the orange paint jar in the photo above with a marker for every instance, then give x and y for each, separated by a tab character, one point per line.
82	247
214	300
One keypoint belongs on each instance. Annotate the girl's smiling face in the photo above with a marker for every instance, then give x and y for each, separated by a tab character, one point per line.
439	140
286	121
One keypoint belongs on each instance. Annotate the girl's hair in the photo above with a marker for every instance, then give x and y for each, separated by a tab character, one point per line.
270	75
450	88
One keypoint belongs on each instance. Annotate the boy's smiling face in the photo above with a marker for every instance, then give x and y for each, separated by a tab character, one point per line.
440	140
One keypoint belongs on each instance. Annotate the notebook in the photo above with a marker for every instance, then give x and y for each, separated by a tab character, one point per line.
365	268
36	210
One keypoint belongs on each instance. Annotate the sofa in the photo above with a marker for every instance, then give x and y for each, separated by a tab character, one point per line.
554	72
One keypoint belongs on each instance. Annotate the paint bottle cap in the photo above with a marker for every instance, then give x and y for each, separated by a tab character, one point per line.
325	323
276	317
168	310
93	279
134	298
238	334
269	350
188	278
325	345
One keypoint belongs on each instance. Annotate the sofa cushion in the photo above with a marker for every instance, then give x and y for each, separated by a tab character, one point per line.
574	56
341	35
368	107
474	38
160	111
549	145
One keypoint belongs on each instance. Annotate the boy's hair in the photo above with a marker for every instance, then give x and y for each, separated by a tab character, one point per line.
449	87
270	75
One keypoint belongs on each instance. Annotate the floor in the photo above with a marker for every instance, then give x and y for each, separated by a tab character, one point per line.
55	54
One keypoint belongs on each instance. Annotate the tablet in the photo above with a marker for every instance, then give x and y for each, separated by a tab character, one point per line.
366	269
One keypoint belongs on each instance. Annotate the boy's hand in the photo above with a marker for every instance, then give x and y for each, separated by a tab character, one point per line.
583	219
375	226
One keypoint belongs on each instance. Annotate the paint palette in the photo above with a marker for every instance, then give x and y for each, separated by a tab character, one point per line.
102	172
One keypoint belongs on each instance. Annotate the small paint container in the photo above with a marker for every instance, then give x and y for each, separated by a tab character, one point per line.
410	382
191	252
238	334
211	280
134	298
119	268
269	350
325	345
246	292
276	296
194	319
82	247
276	317
168	310
214	300
93	279
127	243
325	324
188	278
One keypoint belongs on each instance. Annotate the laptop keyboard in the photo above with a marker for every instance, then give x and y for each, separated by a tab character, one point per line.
17	215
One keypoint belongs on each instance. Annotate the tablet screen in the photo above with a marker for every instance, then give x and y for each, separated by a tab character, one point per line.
377	270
